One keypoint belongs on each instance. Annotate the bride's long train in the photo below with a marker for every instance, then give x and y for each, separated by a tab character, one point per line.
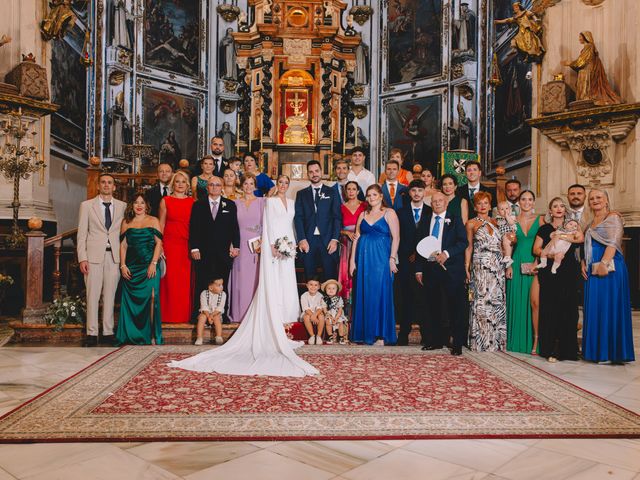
260	345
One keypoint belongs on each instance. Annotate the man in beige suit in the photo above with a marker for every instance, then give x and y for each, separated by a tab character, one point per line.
99	256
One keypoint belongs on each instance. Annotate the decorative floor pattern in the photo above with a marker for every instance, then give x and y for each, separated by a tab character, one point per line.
364	392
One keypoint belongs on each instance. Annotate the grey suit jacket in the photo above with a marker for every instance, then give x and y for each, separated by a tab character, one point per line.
93	236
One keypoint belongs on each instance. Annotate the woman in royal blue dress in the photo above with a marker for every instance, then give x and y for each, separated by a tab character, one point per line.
373	260
607	332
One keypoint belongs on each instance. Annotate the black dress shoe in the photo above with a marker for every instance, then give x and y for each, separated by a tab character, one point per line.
108	340
90	341
431	347
456	351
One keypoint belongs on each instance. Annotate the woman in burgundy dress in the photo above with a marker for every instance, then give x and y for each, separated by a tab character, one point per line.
176	288
351	210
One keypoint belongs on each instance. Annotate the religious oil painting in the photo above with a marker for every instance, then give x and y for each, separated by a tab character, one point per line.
414	40
69	89
172	30
512	136
414	126
171	123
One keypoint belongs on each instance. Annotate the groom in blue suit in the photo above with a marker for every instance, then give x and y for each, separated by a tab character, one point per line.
442	277
318	221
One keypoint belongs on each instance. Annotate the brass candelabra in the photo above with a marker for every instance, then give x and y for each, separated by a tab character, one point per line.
17	162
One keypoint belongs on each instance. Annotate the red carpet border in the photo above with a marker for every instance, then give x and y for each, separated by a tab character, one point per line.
362	393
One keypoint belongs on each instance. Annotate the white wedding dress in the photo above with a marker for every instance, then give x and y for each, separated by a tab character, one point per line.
260	345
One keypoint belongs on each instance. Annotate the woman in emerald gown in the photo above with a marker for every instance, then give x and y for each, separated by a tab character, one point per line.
140	247
522	289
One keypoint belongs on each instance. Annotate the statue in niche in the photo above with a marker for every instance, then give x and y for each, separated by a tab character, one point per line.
361	72
465	30
120	37
465	129
170	150
229	139
267	7
119	127
228	69
592	84
528	40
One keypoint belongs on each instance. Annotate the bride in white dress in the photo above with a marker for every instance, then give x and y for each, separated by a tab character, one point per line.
260	345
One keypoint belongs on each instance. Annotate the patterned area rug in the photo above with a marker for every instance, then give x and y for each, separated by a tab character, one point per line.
363	393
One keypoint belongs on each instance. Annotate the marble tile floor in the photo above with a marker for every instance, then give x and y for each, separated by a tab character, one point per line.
27	371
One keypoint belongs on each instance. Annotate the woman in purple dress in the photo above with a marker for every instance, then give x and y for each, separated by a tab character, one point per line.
244	275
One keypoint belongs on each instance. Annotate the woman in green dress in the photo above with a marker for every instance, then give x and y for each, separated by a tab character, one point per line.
457	205
199	183
140	248
522	288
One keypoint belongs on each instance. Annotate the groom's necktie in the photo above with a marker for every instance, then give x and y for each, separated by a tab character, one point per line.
316	195
436	227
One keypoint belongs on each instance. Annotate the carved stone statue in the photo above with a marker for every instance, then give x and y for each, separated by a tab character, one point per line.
120	36
361	72
229	139
465	129
465	30
267	7
592	81
58	21
528	40
227	62
119	127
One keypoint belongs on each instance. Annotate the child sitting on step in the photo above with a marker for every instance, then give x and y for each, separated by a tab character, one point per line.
313	307
212	301
336	321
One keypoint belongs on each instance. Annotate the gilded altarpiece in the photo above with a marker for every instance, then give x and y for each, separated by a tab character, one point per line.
296	84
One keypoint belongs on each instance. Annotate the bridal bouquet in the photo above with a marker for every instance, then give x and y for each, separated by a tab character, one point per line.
285	247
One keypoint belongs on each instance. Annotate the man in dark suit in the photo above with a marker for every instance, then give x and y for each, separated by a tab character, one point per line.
214	236
393	192
442	277
473	171
408	293
318	221
160	189
220	164
341	169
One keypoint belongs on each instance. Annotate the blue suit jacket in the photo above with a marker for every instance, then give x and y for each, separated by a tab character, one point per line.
338	188
454	241
401	196
327	218
408	232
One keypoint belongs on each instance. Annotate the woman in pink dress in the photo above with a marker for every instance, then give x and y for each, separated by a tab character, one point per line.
176	287
351	210
244	274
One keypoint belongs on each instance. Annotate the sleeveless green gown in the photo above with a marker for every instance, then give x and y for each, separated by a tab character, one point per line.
519	320
135	324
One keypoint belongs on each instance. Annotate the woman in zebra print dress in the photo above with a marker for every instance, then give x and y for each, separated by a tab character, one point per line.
486	276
